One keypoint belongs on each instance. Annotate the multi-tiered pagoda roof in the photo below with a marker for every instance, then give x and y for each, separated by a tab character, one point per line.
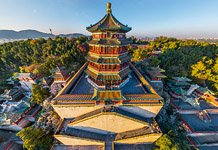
108	57
109	23
108	103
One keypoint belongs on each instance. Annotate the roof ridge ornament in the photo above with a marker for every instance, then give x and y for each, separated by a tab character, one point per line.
109	8
108	23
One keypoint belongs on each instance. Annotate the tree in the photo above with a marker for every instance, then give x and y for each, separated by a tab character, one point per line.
35	139
164	143
141	54
32	67
199	70
214	75
204	70
154	61
39	94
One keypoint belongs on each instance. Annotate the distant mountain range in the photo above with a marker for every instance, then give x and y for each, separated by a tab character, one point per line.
31	34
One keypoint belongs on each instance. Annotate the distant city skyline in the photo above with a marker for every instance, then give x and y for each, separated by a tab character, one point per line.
181	18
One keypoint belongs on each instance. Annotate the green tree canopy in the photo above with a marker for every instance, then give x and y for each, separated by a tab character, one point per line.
164	143
35	139
195	59
40	56
141	54
154	61
39	94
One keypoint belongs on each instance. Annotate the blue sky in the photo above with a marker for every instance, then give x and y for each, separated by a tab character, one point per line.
178	18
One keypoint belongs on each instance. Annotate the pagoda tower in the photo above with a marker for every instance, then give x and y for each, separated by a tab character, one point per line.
108	66
107	104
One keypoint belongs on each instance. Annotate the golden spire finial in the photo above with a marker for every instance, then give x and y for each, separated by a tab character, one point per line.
108	7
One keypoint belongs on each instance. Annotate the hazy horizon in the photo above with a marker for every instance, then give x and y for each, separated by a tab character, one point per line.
148	18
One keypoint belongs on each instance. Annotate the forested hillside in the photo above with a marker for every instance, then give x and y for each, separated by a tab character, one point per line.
40	56
198	60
